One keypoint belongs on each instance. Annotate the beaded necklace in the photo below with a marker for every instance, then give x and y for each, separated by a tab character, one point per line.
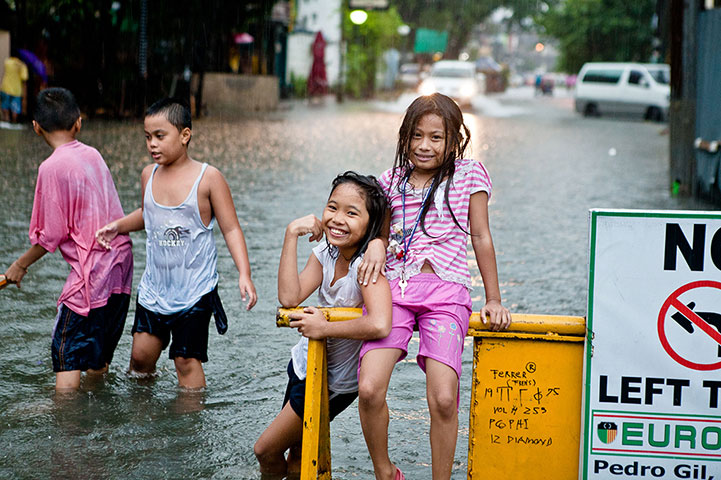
400	249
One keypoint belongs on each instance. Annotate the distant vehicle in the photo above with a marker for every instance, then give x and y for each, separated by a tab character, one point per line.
544	84
409	75
488	64
495	78
456	79
623	88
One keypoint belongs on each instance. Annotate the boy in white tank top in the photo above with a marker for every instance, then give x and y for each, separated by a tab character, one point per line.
182	199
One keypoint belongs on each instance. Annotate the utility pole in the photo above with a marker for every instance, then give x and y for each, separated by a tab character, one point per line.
683	16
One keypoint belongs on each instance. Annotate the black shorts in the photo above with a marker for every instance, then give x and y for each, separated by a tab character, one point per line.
88	343
295	394
189	327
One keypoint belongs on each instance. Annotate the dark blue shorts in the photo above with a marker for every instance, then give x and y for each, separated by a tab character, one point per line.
88	343
188	328
295	393
12	103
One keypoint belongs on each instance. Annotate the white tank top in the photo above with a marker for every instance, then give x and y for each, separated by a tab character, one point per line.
180	253
342	352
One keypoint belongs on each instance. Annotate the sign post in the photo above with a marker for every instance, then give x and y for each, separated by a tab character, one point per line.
653	352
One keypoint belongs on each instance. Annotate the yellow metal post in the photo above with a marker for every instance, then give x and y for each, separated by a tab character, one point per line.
315	455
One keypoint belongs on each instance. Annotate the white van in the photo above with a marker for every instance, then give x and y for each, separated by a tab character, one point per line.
624	88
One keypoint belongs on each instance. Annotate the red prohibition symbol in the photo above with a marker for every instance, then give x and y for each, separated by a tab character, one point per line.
673	301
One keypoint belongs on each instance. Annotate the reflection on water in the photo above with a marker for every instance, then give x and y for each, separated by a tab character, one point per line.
279	167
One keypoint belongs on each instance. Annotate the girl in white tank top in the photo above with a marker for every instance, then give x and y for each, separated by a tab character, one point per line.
352	217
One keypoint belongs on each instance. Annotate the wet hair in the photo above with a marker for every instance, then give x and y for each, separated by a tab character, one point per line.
457	137
56	109
376	205
176	111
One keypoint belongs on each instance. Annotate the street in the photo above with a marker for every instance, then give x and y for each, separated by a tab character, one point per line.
549	167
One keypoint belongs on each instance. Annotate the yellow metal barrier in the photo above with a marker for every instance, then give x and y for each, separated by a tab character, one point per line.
525	400
525	417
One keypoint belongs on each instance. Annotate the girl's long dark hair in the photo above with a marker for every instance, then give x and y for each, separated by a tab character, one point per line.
376	205
457	138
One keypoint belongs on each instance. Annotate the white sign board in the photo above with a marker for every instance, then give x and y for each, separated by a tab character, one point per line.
652	400
368	4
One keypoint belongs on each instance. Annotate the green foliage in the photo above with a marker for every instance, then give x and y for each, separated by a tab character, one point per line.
93	45
460	17
457	17
298	85
600	31
365	45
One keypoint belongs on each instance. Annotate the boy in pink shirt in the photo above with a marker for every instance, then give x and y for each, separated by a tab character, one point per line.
74	196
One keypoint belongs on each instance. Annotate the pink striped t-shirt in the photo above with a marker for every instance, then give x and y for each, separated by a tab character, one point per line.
446	246
74	196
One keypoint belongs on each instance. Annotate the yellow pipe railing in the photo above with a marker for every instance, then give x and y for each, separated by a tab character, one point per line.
551	325
569	330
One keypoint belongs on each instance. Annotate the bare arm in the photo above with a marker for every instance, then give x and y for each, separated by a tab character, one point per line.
294	287
374	260
485	253
374	325
221	201
19	268
131	222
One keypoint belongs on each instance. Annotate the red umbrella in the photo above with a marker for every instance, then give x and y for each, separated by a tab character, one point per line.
317	81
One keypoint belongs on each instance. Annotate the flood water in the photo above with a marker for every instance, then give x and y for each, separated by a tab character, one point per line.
549	167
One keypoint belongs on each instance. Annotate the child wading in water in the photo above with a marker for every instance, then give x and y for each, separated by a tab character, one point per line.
181	200
74	196
352	217
437	200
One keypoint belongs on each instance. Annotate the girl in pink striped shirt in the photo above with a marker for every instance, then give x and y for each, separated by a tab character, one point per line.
438	199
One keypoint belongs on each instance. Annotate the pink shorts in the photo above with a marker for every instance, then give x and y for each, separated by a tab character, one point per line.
439	310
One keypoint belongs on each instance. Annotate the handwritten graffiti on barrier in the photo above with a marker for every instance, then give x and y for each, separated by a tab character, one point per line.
517	398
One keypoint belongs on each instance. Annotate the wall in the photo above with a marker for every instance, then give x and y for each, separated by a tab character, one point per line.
228	93
4	50
315	16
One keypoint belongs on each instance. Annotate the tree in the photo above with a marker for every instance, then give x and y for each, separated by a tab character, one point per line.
600	30
365	45
93	45
459	17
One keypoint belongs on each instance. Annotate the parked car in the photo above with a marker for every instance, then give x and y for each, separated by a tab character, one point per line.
454	78
623	88
409	75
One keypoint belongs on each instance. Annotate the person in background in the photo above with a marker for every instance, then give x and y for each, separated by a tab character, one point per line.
12	89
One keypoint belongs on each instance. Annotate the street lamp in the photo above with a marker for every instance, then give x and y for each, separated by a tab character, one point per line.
358	17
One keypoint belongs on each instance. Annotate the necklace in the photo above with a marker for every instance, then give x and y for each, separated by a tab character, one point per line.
403	283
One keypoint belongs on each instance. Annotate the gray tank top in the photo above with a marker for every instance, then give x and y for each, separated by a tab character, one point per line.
180	253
